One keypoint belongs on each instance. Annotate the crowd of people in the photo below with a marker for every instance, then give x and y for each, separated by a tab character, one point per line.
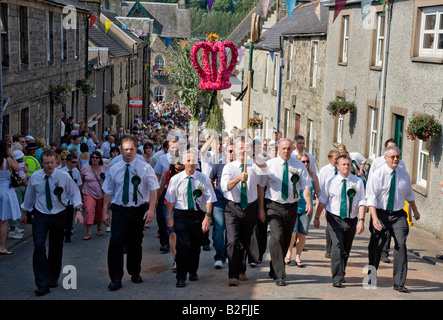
257	194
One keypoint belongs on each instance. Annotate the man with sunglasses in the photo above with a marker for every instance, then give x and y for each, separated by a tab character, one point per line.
387	190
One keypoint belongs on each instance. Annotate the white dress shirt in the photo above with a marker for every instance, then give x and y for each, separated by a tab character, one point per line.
115	177
75	175
178	190
380	161
312	165
163	164
106	149
377	188
331	194
325	173
232	170
35	195
358	158
120	158
273	180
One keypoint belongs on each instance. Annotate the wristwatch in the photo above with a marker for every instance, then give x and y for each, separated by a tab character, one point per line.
79	209
208	214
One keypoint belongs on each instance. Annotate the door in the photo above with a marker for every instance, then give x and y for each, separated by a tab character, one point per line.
399	122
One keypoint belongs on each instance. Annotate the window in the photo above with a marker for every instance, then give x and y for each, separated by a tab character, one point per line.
314	63
297	124
4	36
76	40
431	33
267	70
23	35
276	72
422	165
310	136
63	39
380	38
290	61
344	43
372	132
159	93
24	121
5	126
339	131
159	63
286	124
49	36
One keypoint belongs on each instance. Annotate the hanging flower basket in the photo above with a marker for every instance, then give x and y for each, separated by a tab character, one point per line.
60	94
86	86
255	122
423	127
340	106
112	109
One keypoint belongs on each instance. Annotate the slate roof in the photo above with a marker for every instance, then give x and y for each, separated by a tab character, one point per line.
304	22
169	20
116	48
74	3
112	16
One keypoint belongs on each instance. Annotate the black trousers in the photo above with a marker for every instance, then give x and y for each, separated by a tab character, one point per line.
47	268
394	224
342	232
189	234
239	227
259	242
69	221
126	232
281	218
161	223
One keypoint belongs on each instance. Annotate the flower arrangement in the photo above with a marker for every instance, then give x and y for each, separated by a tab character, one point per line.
86	86
112	109
255	122
423	127
340	106
211	78
60	94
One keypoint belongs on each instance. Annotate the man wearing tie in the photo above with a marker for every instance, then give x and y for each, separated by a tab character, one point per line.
240	189
190	194
343	197
286	175
47	196
388	188
128	187
71	169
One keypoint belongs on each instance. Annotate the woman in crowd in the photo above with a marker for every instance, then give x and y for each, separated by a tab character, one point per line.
83	158
303	220
93	176
148	149
114	152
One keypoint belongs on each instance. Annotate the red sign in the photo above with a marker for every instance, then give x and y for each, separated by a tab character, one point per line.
135	102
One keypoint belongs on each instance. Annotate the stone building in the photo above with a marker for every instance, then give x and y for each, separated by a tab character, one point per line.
389	87
44	43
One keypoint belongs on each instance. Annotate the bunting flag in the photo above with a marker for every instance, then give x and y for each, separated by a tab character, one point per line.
141	32
339	4
107	25
241	53
271	53
210	2
290	5
366	14
316	6
167	41
183	43
92	20
265	6
124	27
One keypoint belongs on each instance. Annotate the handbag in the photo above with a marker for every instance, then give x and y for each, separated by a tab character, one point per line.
16	181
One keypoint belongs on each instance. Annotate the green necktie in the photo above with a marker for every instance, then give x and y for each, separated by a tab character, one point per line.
48	194
70	173
335	171
243	192
343	200
284	183
190	199
125	197
390	206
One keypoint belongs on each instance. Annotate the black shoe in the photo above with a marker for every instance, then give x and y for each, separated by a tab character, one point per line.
41	292
53	284
180	284
280	282
115	285
206	247
68	240
327	255
272	275
136	278
439	256
164	248
193	277
386	260
337	284
402	289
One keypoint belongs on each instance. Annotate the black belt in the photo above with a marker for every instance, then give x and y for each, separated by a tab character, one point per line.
284	205
238	203
188	211
390	212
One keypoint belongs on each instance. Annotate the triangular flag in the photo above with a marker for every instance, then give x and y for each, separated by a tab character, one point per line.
140	32
241	52
92	20
210	2
339	4
366	14
167	41
290	5
124	27
316	6
271	53
183	43
107	25
264	6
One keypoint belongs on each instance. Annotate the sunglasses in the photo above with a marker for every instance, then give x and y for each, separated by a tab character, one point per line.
73	161
394	157
95	157
230	151
64	159
306	161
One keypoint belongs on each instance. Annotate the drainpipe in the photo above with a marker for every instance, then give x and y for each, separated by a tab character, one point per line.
279	85
384	76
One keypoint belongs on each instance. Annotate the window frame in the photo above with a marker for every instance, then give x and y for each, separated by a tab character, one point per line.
314	63
343	56
434	52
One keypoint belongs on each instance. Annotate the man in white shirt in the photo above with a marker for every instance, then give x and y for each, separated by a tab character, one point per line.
240	189
107	145
47	197
387	190
280	203
299	144
190	194
128	187
343	197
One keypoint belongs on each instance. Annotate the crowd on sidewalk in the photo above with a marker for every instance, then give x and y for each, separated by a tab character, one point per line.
246	187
